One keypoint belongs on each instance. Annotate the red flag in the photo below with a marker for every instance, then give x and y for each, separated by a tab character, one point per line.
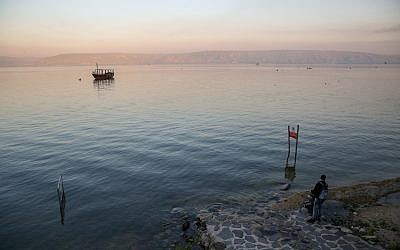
293	134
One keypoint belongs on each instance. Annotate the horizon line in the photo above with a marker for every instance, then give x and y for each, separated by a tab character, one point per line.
202	51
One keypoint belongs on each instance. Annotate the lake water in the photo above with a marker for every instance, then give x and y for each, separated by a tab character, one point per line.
160	137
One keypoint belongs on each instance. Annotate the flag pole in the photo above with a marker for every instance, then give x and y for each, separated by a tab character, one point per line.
288	154
297	140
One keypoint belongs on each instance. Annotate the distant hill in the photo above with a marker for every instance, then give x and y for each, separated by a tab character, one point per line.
7	61
221	57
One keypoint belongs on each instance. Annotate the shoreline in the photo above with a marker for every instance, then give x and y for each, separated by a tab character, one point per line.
353	194
358	216
371	209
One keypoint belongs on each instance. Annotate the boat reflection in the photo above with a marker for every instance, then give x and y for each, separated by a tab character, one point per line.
106	84
290	175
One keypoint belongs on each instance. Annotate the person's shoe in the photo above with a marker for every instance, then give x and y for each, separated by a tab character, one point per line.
311	220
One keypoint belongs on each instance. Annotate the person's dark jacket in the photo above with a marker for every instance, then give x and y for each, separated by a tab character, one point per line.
318	188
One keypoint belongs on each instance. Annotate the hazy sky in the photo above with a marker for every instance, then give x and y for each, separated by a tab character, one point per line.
48	27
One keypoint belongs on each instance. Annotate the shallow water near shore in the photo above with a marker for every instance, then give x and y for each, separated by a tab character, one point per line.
160	137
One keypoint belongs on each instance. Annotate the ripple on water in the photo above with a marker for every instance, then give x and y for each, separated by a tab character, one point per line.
132	153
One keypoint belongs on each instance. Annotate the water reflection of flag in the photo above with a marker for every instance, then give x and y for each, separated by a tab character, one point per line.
293	134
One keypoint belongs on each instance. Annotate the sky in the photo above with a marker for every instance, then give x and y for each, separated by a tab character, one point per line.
37	28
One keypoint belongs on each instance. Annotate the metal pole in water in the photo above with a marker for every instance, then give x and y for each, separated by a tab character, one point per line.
287	159
297	140
61	198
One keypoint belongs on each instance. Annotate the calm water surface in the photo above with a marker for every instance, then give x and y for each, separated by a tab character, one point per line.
160	137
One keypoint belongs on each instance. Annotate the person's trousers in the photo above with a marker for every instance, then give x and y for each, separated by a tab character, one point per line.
317	209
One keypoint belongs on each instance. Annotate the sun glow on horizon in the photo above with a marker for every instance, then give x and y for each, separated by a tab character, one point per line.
44	27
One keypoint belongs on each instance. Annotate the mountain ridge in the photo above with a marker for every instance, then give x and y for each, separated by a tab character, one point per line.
213	57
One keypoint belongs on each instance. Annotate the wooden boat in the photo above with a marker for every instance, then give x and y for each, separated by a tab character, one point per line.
103	74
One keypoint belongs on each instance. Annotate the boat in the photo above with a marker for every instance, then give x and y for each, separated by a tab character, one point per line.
103	74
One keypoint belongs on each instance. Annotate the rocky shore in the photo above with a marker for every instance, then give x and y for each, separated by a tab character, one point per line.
362	216
372	210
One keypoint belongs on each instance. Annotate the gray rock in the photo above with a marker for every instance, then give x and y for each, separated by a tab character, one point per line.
236	225
250	245
347	247
238	241
225	233
361	245
324	231
247	231
334	210
351	238
340	233
276	244
284	241
330	237
220	246
275	237
308	228
238	233
260	212
285	187
249	238
257	233
393	199
262	240
300	246
221	217
177	210
226	224
185	225
331	244
320	240
345	230
325	247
